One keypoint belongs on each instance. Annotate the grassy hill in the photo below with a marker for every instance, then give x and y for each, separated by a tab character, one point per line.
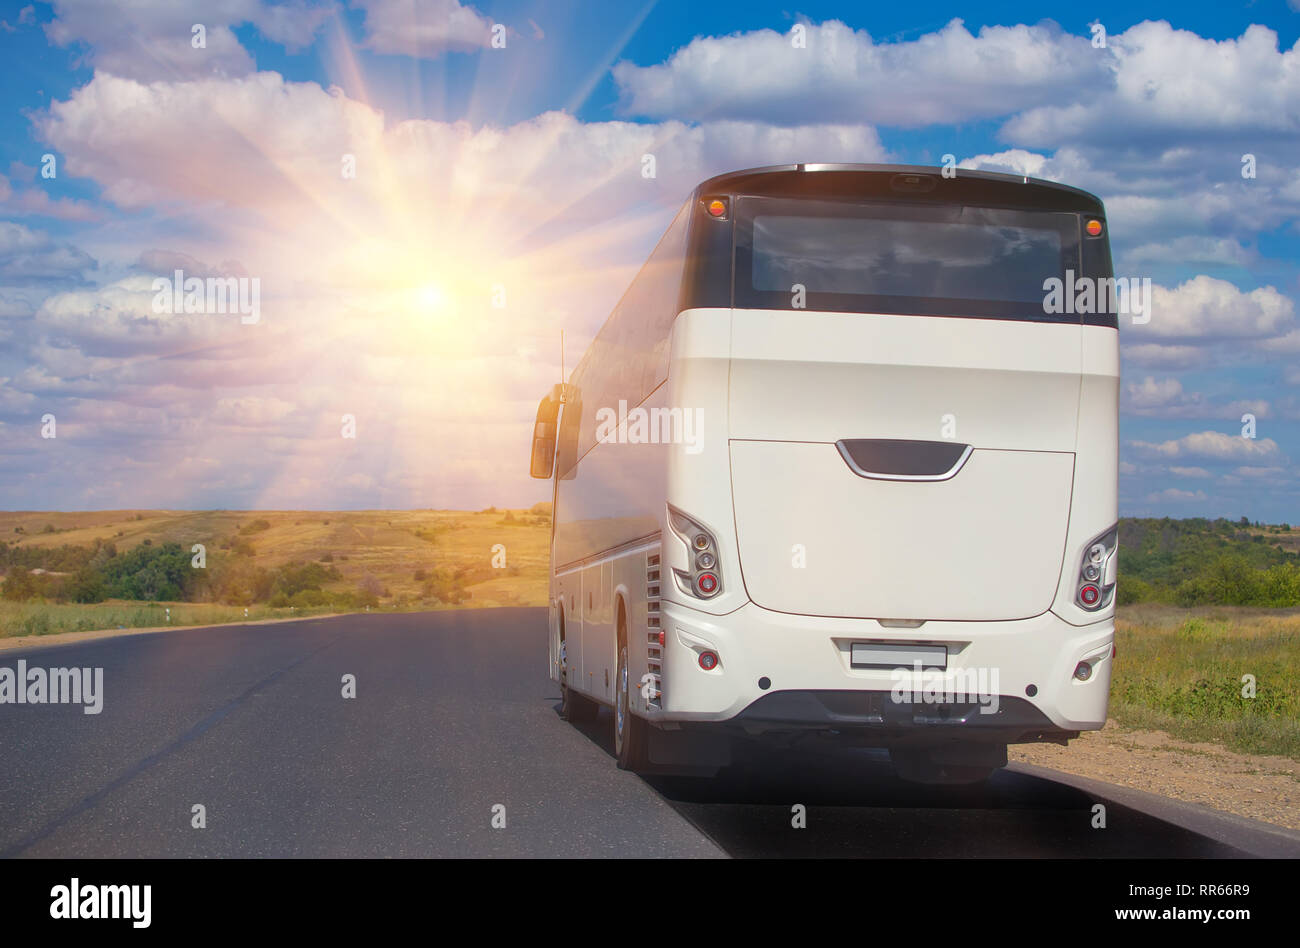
271	562
1208	562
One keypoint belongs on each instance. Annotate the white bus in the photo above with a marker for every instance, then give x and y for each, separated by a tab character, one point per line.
833	472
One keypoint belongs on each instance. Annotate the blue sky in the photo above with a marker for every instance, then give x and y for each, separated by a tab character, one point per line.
484	167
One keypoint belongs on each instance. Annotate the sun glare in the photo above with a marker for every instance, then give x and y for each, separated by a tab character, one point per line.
429	297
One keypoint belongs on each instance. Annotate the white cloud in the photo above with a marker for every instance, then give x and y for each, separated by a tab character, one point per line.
947	76
1150	393
1173	85
251	411
424	28
1210	444
1165	398
1175	495
1193	249
1205	310
1261	473
149	39
1151	80
262	142
30	256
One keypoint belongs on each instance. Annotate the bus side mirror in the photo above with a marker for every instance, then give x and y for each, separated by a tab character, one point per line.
544	431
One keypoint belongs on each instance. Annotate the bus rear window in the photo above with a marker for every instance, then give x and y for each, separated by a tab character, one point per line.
946	260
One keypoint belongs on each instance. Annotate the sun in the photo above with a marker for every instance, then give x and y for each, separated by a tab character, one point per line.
429	297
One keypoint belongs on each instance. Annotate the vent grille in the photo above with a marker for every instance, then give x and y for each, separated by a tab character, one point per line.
654	651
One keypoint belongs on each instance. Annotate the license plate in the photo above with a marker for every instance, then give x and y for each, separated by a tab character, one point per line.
883	655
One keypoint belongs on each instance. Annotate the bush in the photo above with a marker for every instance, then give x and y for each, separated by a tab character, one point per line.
1128	591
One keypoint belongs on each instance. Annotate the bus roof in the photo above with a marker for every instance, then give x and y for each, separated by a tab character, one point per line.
903	183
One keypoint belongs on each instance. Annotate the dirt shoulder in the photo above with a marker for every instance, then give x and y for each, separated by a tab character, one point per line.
1256	787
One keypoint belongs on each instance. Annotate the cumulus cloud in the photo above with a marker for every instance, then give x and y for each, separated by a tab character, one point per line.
1207	311
1150	393
1193	249
948	76
1165	398
34	202
149	39
1149	80
1175	495
262	142
1175	86
1210	444
251	411
424	28
28	256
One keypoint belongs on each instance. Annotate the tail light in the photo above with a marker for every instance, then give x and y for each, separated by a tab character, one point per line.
704	579
1095	586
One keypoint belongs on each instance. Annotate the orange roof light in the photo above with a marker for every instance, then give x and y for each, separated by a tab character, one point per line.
1093	227
717	207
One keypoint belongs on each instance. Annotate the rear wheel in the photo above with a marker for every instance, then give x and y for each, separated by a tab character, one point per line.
630	738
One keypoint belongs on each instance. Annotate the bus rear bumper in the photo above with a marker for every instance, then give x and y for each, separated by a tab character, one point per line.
875	718
1010	681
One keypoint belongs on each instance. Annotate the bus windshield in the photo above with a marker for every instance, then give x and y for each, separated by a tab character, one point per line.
900	258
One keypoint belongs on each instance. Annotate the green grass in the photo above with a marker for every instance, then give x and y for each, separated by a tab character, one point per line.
1180	670
39	618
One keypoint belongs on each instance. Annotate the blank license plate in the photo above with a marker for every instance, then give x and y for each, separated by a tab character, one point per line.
880	655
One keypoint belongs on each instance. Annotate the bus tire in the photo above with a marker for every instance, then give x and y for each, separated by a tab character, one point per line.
630	738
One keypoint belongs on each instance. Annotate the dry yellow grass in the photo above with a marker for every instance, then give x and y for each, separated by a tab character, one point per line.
389	545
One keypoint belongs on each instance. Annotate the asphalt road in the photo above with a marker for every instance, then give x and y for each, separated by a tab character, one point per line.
454	715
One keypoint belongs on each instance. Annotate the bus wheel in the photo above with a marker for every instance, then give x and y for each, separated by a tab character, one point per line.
630	737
